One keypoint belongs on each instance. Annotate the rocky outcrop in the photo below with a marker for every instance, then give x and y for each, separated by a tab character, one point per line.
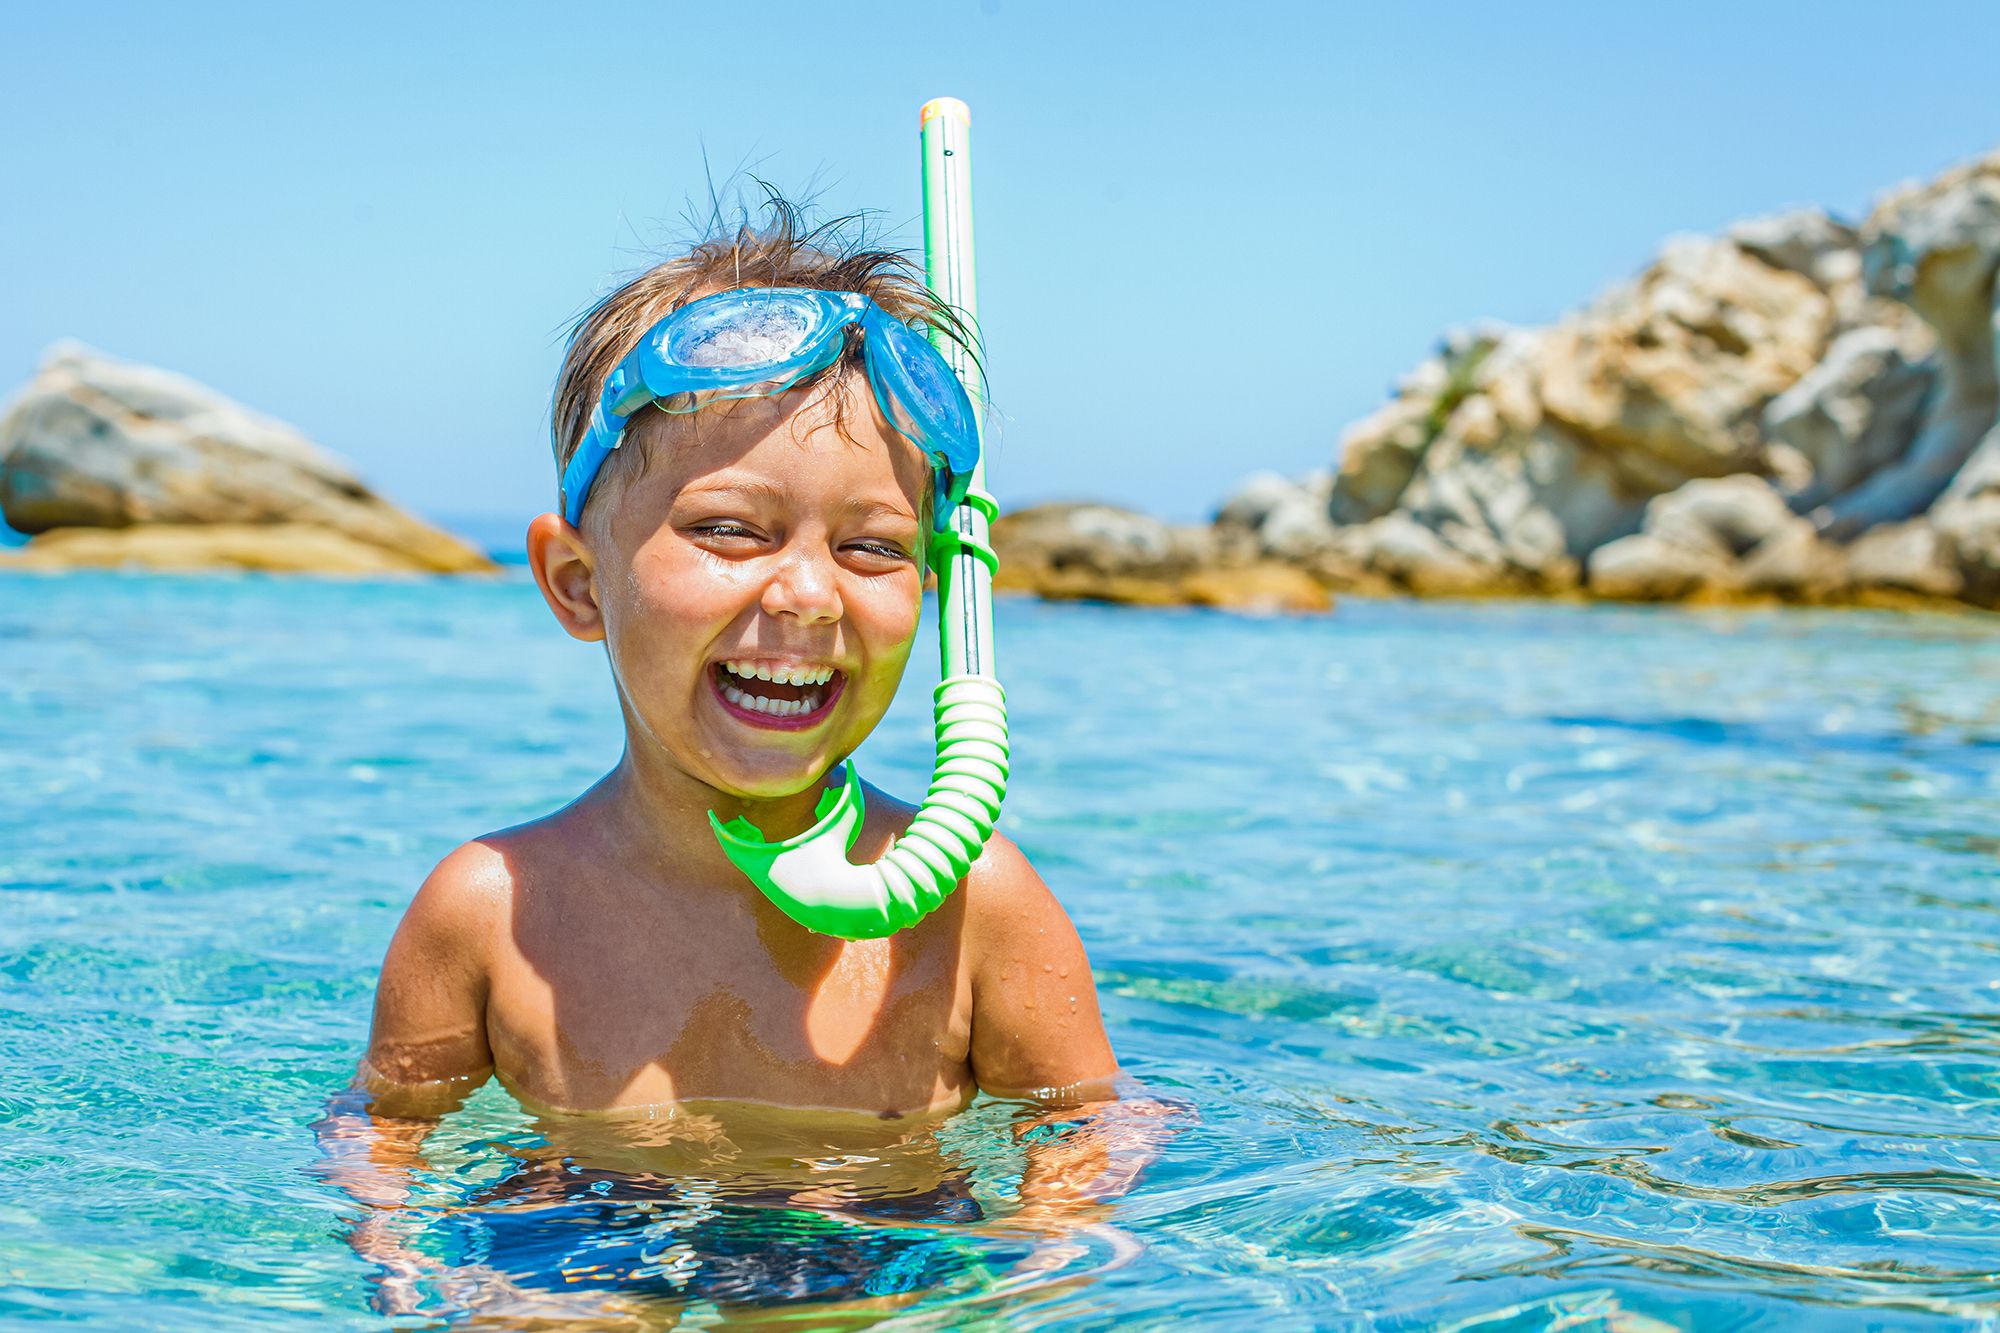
1717	539
1101	553
1798	410
120	464
1850	416
273	548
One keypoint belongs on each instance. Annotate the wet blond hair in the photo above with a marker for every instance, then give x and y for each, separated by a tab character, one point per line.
784	252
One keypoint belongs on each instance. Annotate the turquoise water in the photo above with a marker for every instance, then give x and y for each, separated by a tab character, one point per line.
1515	966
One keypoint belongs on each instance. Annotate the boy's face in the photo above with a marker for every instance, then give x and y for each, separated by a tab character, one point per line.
758	584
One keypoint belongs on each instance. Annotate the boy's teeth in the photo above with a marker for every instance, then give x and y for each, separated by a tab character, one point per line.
758	703
783	675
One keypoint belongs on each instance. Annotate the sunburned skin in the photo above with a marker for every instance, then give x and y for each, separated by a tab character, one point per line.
608	958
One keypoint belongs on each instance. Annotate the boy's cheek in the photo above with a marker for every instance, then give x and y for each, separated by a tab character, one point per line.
652	654
894	620
886	678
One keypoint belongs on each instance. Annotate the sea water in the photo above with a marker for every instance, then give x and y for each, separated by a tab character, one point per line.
1500	966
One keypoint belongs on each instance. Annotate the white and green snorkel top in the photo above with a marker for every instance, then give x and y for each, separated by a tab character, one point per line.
809	876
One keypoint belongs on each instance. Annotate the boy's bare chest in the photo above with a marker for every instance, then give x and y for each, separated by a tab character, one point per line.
590	1021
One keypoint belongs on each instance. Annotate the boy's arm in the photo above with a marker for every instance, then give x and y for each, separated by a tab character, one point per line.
427	1053
427	1049
1037	1034
1036	1030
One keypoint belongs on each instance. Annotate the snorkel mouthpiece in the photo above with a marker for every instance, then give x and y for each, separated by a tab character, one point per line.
809	876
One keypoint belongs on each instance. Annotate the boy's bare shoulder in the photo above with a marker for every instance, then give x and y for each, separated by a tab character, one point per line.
476	877
430	1000
481	876
461	901
1014	924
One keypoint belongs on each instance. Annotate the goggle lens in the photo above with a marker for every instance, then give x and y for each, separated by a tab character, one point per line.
738	333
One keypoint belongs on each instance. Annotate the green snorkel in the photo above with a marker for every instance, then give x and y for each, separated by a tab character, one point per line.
809	876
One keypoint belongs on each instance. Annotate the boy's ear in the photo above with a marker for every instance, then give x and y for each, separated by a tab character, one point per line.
564	570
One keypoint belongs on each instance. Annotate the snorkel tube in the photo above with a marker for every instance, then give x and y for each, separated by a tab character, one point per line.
809	876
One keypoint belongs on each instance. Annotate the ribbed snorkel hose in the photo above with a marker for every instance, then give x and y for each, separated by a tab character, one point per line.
809	876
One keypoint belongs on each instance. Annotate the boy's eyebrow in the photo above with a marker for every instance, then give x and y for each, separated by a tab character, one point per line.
764	490
877	508
758	490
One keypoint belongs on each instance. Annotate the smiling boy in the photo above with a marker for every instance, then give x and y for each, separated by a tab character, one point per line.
754	566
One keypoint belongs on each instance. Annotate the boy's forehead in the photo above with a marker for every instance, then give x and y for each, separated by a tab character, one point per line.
806	417
758	443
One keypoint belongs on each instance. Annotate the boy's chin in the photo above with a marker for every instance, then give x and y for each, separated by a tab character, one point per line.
770	786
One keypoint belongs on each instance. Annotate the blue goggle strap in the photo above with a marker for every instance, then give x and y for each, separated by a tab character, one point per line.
950	485
624	393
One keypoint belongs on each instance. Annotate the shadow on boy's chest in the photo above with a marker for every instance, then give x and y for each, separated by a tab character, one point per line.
864	1023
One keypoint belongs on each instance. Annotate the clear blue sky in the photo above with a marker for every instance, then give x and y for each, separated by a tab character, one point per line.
1210	234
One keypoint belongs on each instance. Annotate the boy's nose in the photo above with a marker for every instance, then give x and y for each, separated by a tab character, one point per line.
804	585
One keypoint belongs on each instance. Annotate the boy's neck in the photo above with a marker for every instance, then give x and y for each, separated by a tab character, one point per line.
659	812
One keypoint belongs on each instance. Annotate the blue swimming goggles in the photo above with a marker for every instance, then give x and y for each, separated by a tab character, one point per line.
753	342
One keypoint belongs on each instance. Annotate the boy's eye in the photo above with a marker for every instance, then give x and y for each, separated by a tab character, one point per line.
721	528
876	546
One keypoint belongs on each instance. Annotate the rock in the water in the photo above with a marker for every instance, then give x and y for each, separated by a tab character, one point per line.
1798	410
94	443
1094	552
1296	530
1410	556
1669	374
1719	427
1935	247
1720	538
1806	241
277	548
1853	413
1904	558
1081	585
1970	530
1280	518
1726	517
1254	499
1097	539
1793	565
1378	456
1523	451
1645	568
1266	588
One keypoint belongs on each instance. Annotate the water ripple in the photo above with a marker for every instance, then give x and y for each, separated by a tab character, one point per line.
1513	966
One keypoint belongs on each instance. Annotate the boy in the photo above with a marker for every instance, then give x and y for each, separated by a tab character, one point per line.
754	566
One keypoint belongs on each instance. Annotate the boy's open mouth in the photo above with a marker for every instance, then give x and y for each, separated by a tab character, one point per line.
787	696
